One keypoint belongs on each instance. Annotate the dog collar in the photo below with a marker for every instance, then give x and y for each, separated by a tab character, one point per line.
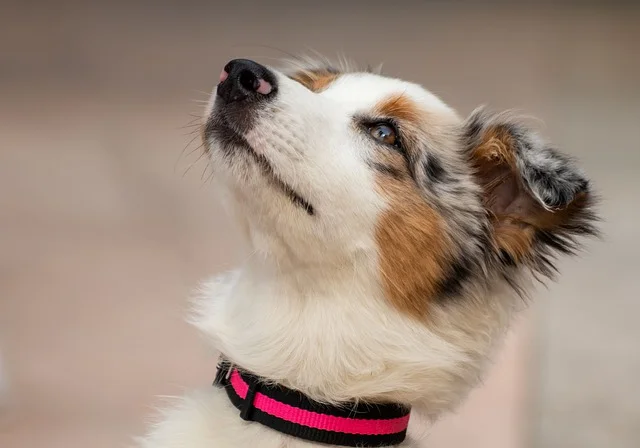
290	412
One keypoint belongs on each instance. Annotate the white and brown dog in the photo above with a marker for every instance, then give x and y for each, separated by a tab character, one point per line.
393	243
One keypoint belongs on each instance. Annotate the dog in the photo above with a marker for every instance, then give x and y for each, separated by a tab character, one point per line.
393	241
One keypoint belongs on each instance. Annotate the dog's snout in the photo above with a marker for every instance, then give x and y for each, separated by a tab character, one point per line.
242	79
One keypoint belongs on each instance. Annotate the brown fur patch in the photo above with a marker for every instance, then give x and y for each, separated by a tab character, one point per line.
413	242
315	80
400	107
413	247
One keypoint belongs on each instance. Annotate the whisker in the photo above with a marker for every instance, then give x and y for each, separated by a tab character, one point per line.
194	119
209	178
204	172
196	161
195	132
191	125
399	98
202	92
200	146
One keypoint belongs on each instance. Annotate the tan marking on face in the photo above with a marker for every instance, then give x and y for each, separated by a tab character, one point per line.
315	80
411	235
413	246
400	107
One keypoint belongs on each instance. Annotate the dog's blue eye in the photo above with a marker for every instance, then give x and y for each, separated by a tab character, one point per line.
384	133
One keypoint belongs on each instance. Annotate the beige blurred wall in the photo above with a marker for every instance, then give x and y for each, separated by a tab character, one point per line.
103	235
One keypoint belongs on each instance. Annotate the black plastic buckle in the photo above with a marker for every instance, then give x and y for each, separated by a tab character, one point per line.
222	375
246	411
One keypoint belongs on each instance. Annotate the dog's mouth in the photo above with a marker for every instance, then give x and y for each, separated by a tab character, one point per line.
231	142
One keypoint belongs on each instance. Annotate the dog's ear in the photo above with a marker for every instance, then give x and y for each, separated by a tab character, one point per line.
538	200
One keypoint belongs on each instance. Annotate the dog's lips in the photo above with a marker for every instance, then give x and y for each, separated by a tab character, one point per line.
232	142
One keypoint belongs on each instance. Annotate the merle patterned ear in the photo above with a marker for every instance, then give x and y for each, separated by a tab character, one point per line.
537	198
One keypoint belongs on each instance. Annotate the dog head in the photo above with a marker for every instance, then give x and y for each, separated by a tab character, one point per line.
326	166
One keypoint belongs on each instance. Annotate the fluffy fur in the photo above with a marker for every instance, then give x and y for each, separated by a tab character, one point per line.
380	273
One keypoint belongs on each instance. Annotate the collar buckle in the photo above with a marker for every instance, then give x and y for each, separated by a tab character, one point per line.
223	373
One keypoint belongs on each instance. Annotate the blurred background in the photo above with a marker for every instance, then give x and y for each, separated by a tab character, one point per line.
107	222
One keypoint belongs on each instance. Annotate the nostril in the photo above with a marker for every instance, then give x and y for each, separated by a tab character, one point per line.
264	87
249	81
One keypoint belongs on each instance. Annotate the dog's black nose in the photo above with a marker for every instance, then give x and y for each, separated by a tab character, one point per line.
242	79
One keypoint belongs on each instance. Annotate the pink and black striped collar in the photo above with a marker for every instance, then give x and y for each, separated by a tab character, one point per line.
292	413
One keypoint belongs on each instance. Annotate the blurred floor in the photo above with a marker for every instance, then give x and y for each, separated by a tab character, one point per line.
103	235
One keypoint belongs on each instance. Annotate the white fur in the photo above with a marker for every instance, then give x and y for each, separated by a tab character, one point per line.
308	308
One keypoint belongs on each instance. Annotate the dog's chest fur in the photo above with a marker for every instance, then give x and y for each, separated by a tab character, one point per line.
263	325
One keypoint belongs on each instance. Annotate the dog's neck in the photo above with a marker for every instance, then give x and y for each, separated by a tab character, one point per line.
297	280
281	306
318	321
330	333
